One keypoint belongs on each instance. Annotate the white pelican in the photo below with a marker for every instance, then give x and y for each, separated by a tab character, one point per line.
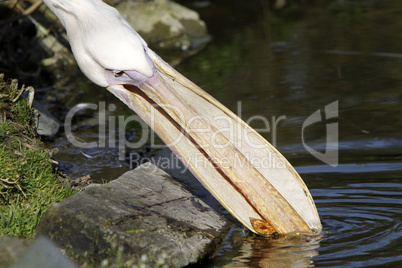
245	173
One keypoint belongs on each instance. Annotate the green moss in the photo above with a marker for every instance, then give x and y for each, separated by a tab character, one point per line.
28	182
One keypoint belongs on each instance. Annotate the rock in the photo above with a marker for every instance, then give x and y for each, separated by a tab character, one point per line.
40	252
10	249
165	24
143	217
166	160
46	125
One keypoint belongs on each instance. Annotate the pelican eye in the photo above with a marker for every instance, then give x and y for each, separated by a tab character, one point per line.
118	74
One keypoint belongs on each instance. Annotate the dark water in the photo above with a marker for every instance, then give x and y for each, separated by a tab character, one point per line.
284	66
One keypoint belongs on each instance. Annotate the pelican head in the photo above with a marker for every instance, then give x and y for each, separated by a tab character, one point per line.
107	49
266	199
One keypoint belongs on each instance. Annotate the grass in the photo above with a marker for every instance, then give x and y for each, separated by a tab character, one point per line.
28	182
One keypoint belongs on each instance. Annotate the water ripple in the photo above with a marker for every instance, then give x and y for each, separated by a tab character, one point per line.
361	222
361	227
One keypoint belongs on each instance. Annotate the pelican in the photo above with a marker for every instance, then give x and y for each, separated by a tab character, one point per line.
244	172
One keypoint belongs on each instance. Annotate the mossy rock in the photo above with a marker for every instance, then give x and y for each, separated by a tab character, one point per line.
29	183
165	24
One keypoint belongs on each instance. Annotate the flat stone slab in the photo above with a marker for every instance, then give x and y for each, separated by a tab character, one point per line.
143	217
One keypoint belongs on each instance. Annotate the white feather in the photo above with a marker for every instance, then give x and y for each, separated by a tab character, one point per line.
101	39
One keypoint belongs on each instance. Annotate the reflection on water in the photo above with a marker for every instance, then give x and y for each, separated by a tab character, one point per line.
282	252
291	63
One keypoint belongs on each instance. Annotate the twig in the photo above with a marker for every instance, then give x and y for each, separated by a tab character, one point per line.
23	12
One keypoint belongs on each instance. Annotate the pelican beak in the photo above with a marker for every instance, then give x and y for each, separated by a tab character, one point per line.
244	172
